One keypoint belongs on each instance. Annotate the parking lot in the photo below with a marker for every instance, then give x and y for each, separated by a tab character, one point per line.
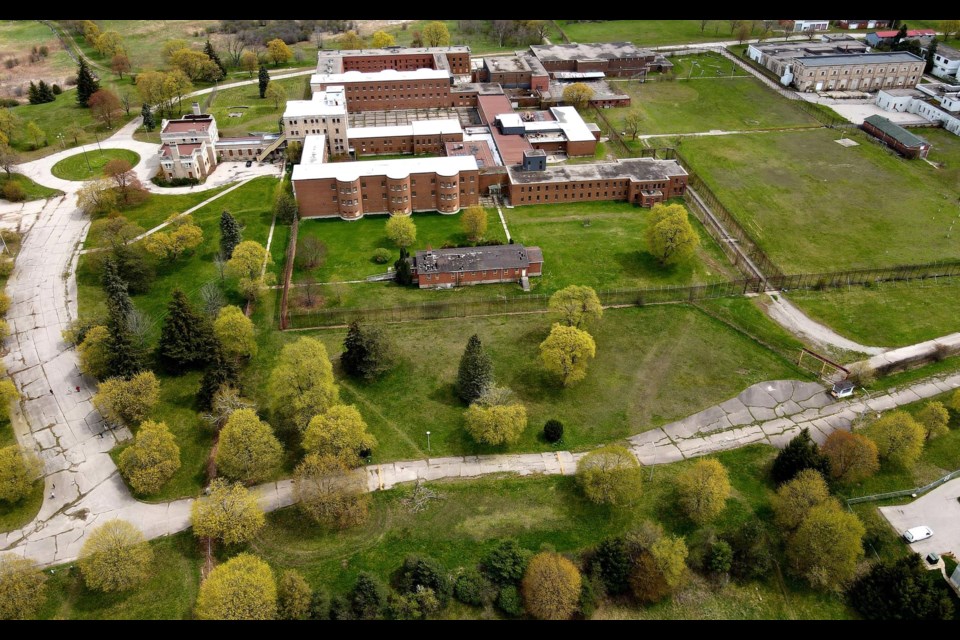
939	510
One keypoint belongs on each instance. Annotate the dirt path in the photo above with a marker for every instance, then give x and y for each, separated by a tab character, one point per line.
797	322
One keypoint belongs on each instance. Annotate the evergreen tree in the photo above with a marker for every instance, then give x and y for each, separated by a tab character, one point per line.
45	92
931	52
402	268
149	123
87	85
264	78
133	267
367	351
476	371
901	590
118	298
186	339
221	370
799	454
230	234
126	357
33	94
212	53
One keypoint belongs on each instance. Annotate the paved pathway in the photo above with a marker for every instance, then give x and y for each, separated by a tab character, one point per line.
800	324
940	510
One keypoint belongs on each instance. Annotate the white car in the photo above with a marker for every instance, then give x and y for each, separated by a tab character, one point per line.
917	533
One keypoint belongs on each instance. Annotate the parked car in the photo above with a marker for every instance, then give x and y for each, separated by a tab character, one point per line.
249	163
843	389
915	534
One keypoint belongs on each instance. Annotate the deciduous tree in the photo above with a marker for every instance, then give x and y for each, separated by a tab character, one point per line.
436	34
109	44
248	451
496	425
276	95
670	236
382	39
577	306
331	493
852	456
368	351
183	235
566	352
935	419
152	459
97	197
610	475
129	188
474	222
294	596
278	52
38	135
94	352
242	588
229	512
171	47
577	95
19	469
350	40
235	332
248	62
402	231
633	121
899	438
116	557
799	454
703	489
8	157
797	497
339	432
23	588
127	402
247	260
301	384
551	587
827	546
285	206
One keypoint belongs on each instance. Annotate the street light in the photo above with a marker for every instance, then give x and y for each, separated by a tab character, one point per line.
428	441
63	145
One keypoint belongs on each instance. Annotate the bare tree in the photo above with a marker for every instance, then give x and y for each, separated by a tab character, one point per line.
213	298
139	325
312	252
221	263
125	99
703	25
308	287
235	47
8	158
500	30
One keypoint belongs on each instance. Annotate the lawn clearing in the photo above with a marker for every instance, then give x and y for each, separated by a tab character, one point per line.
21	513
689	106
887	314
815	206
646	32
89	165
17	40
258	114
31	189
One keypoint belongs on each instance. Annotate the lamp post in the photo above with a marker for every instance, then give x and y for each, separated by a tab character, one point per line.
98	142
428	441
63	145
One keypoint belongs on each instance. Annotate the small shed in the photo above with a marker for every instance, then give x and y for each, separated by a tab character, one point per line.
842	389
896	137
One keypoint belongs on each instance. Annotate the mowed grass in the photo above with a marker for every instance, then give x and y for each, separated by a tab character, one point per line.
31	190
646	32
89	165
259	114
816	206
887	314
690	106
17	39
654	364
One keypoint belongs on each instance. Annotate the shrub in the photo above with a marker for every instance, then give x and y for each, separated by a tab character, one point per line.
421	572
9	102
508	601
6	267
381	255
471	588
13	192
57	90
506	562
553	431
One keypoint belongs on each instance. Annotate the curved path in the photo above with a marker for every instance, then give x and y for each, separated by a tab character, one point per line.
787	315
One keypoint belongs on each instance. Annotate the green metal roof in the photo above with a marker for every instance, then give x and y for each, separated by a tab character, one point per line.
896	132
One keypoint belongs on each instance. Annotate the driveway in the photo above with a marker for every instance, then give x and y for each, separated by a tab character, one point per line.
939	510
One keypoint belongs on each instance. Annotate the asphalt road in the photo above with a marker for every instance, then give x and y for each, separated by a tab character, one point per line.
939	510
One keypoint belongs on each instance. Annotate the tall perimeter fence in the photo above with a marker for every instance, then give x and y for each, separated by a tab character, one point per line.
906	492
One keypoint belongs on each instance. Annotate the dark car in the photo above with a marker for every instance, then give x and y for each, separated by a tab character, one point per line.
249	163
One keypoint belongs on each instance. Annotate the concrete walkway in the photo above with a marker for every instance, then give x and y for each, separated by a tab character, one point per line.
788	316
940	510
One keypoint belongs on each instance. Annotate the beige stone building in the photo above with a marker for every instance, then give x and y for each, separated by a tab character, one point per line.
325	114
858	72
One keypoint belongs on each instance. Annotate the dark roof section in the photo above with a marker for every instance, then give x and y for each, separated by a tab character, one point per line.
504	256
640	169
894	57
589	51
896	132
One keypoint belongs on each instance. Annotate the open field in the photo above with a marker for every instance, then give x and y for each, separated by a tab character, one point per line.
479	43
89	165
647	33
887	314
31	189
654	364
689	106
814	205
17	39
258	114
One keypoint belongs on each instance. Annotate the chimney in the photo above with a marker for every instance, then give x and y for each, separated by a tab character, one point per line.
174	150
196	108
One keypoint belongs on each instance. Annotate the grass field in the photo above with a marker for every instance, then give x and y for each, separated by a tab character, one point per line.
31	189
646	32
15	515
17	39
89	165
889	314
479	43
729	104
794	191
259	114
654	364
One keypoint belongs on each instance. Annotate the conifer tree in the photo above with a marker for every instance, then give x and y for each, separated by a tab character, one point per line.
87	85
230	234
33	94
264	79
367	351
149	123
186	339
118	297
402	268
45	92
476	371
212	53
799	454
126	357
221	370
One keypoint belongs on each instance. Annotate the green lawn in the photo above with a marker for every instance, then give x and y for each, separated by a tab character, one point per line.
31	189
89	165
17	39
697	66
748	316
15	515
654	364
888	314
729	104
258	114
814	205
648	33
479	43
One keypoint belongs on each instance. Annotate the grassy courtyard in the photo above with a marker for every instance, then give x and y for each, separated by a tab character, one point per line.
90	164
700	105
814	205
257	114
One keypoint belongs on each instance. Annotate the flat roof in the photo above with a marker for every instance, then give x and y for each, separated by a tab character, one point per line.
910	32
948	52
895	131
314	146
589	51
640	169
479	149
416	128
186	126
572	124
506	64
504	256
404	166
329	102
895	57
388	51
482	88
386	75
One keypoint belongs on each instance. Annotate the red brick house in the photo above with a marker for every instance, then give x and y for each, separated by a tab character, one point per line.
476	265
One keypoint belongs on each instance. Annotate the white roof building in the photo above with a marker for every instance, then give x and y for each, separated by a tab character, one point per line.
416	128
309	169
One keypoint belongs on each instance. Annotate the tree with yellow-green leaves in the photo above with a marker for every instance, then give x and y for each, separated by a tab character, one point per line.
703	489
496	425
275	94
610	475
109	44
551	587
152	459
330	492
577	95
566	352
852	456
339	432
248	451
242	588
229	512
436	34
670	236
246	264
474	222
577	306
19	469
8	394
899	438
797	497
236	332
301	384
184	235
935	419
128	402
401	231
294	596
116	557
278	52
350	40
382	39
827	546
23	588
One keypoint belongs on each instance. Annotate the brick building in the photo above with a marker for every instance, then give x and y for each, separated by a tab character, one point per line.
858	71
398	187
612	58
421	136
896	137
778	57
325	114
643	181
455	59
390	89
476	265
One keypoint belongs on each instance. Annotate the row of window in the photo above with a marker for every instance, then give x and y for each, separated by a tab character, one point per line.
857	71
240	152
413	194
316	121
394	87
587	185
443	185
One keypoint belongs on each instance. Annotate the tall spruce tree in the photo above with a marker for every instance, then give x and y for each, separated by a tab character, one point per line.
264	79
33	94
212	53
126	357
230	234
221	370
87	85
186	338
149	122
45	92
367	351
476	371
401	268
799	454
116	288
